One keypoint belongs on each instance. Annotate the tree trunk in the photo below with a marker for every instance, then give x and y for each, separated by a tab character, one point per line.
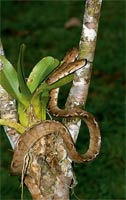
79	90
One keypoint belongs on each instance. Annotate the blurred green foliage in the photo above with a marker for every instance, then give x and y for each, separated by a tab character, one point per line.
40	25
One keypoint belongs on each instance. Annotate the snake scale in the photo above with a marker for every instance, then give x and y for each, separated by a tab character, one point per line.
33	134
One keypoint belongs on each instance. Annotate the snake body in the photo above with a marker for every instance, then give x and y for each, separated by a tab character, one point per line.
69	65
32	135
95	138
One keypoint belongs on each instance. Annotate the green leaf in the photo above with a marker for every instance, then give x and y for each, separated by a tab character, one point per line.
61	82
9	80
18	127
40	72
6	85
44	102
20	72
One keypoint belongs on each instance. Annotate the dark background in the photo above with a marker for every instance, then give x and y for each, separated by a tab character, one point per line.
40	25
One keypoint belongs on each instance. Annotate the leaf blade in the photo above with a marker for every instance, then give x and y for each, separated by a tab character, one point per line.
9	81
9	77
41	70
20	73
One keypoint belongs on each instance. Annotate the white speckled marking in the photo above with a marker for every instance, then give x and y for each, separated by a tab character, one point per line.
90	18
99	141
1	52
1	64
70	173
74	129
89	33
87	66
78	83
79	71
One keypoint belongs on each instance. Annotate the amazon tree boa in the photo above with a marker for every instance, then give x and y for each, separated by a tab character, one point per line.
33	134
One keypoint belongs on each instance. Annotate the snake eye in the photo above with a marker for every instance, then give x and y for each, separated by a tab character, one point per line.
86	116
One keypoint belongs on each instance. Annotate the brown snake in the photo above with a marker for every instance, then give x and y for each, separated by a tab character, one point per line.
95	138
32	135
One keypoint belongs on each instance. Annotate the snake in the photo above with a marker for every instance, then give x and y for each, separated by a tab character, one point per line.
46	127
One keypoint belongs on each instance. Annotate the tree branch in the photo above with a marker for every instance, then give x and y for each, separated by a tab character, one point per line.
79	90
